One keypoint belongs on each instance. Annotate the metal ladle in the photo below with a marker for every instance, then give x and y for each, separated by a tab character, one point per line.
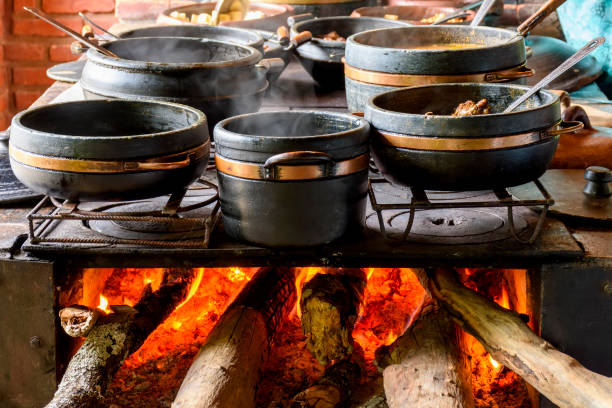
94	24
482	12
44	16
567	64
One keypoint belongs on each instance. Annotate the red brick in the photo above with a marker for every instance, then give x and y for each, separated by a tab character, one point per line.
74	6
29	26
24	51
31	76
104	20
139	9
5	120
4	101
61	53
18	5
24	98
4	78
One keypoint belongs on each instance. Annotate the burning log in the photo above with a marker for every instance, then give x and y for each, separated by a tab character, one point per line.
331	390
425	367
330	305
503	333
226	371
78	320
114	337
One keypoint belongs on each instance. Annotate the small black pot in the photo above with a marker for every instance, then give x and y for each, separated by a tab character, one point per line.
292	178
443	152
323	58
109	149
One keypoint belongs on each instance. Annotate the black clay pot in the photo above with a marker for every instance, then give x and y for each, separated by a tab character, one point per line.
289	179
109	150
323	58
221	79
385	59
442	152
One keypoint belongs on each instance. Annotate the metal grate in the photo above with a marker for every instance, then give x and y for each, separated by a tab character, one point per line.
420	201
40	224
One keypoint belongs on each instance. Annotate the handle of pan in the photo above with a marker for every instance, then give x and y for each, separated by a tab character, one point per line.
511	75
298	18
538	16
273	67
566	127
289	157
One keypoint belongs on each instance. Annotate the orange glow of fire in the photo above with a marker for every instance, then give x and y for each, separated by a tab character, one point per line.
104	305
193	288
302	276
494	363
236	275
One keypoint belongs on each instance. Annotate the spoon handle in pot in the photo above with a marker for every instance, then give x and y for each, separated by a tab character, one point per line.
43	16
482	12
567	64
458	14
538	16
94	24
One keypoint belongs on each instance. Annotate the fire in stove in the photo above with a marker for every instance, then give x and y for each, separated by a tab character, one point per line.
301	337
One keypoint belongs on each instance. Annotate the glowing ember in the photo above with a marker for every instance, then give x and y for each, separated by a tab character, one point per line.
194	287
236	275
104	305
494	363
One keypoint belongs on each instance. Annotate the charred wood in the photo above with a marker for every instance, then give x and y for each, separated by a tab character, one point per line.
425	366
330	305
503	333
226	371
113	338
78	320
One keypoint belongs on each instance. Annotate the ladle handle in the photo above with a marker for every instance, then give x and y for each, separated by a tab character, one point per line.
538	16
567	64
43	16
482	12
458	14
94	24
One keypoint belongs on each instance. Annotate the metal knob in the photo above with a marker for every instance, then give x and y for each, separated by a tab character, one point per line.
598	179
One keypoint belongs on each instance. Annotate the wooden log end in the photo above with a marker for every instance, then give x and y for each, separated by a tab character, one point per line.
78	320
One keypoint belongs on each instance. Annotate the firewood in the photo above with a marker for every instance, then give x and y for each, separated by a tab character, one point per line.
332	390
330	305
226	371
503	333
425	366
78	320
112	339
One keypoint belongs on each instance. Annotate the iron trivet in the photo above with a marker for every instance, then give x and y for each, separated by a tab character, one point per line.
184	220
452	217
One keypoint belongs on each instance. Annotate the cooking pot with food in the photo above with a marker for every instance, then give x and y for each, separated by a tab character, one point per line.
109	149
416	140
292	178
381	60
220	78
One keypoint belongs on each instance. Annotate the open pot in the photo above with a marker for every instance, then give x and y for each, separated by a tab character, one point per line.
323	58
444	152
109	149
326	8
292	178
381	60
414	14
220	78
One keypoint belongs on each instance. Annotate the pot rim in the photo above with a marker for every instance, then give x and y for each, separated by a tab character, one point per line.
17	123
97	57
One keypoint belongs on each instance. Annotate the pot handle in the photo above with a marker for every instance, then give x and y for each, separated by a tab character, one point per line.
505	76
273	67
566	127
538	16
299	17
288	157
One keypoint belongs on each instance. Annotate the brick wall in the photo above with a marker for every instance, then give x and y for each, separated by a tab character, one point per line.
28	46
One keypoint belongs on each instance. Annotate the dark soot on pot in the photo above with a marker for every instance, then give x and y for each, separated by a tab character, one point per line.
108	118
291	124
176	50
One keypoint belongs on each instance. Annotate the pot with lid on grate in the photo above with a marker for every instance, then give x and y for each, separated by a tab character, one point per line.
292	178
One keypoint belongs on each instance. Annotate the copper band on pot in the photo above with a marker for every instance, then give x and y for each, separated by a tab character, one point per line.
168	162
460	144
257	171
389	79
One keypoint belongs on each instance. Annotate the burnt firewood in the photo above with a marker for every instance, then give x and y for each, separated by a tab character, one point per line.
332	390
425	366
226	371
503	333
113	338
330	306
78	320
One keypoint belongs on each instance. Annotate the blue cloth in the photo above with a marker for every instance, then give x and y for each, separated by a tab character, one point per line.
583	20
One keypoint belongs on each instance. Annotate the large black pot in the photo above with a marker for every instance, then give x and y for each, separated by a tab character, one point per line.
292	178
220	78
323	58
387	59
109	149
443	152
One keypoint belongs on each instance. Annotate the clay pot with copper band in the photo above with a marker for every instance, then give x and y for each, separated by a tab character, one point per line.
292	178
109	149
439	151
323	58
382	60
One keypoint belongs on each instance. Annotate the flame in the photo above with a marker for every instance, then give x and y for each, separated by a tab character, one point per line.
236	275
104	305
193	288
494	363
503	300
